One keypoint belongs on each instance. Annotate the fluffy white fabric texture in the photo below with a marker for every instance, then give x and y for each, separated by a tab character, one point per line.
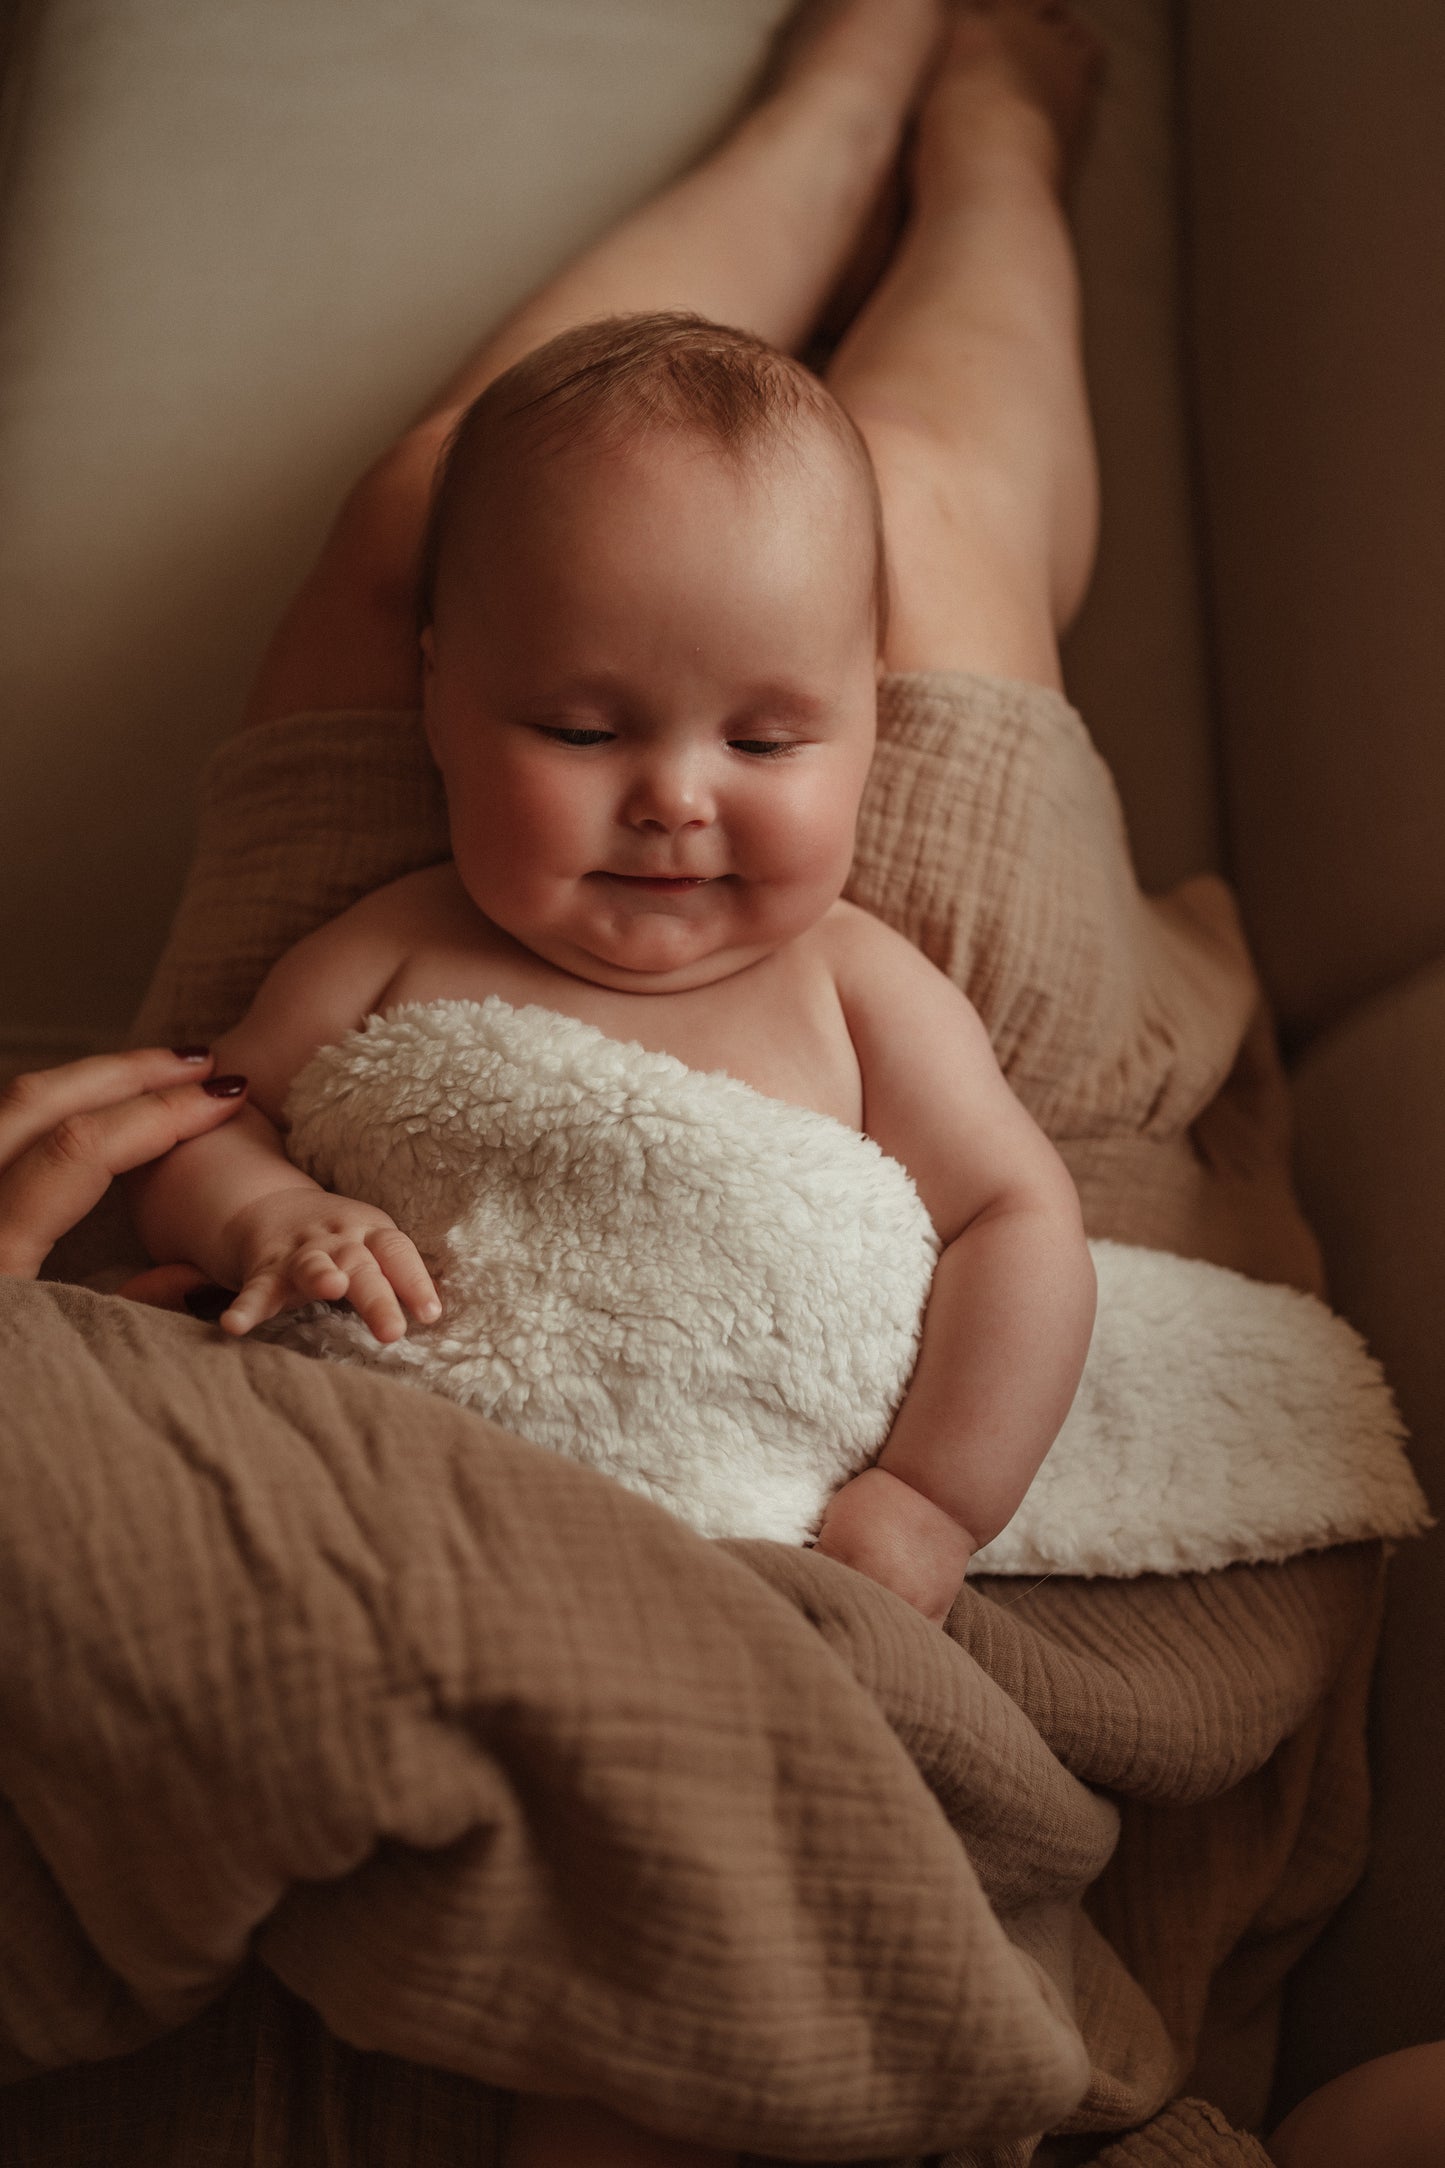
716	1298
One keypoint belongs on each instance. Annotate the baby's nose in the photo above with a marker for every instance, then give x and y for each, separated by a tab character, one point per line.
668	795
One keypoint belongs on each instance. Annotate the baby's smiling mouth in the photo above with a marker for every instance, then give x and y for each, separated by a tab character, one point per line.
661	880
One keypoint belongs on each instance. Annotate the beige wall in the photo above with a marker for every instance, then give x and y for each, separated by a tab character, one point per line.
241	241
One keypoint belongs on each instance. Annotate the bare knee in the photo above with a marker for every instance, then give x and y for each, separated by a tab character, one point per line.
374	545
348	638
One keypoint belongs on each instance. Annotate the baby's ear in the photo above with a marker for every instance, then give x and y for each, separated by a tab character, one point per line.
428	686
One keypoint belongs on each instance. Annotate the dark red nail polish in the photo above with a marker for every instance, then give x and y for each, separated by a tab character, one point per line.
224	1087
191	1053
207	1303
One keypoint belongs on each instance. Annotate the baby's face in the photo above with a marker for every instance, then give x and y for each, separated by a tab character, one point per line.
651	689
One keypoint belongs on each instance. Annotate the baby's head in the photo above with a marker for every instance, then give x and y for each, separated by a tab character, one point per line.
653	602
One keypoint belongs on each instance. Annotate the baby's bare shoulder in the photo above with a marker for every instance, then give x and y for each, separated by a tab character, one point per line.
866	959
332	979
429	897
411	916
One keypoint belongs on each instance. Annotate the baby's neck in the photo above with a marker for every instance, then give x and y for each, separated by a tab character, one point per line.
774	1022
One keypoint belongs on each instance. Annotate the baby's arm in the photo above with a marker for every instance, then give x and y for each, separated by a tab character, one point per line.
1011	1309
242	1212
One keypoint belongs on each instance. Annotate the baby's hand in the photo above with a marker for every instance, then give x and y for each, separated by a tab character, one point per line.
294	1246
888	1530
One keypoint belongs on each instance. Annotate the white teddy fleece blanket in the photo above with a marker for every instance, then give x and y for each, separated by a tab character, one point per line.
715	1297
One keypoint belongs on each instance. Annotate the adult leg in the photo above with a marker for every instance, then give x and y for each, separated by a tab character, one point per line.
964	370
756	235
1389	2113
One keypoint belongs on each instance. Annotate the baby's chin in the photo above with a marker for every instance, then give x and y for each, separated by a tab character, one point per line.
656	952
687	939
637	966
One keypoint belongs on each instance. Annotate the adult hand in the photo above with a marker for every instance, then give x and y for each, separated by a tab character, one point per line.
66	1133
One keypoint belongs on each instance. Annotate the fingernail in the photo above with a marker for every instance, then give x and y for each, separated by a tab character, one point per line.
191	1053
429	1312
224	1087
207	1303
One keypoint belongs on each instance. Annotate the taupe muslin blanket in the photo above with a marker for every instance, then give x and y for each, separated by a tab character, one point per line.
368	1763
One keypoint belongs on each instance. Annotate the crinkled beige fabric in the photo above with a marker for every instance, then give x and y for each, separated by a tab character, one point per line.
504	1779
1188	2131
500	1769
1133	1027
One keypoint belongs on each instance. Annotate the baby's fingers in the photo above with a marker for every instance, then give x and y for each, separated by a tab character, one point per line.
317	1276
263	1296
370	1295
312	1275
400	1260
369	1274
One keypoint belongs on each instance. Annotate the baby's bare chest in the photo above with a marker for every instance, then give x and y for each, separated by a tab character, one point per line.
777	1026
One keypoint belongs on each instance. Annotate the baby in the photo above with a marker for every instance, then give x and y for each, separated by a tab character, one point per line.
653	606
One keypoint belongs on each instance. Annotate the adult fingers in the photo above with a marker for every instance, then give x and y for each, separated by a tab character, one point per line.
164	1287
56	1179
34	1104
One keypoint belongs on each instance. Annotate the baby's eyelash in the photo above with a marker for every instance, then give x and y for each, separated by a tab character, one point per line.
577	735
562	735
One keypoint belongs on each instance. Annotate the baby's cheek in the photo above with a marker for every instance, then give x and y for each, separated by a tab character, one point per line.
813	836
521	815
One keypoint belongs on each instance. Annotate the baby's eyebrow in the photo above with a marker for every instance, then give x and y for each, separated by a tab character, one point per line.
778	697
787	701
597	685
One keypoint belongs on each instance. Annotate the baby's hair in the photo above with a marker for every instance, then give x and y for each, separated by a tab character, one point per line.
614	381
